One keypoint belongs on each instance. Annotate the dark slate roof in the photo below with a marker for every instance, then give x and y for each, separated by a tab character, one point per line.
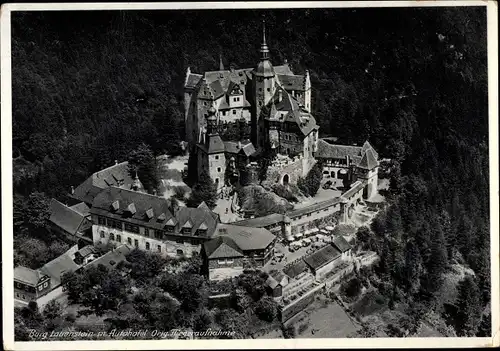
233	147
222	247
261	222
246	238
117	175
217	89
327	150
214	144
314	207
102	205
296	114
340	243
27	275
65	217
292	82
283	70
264	69
81	208
295	269
197	217
322	257
144	202
368	161
60	265
111	258
192	80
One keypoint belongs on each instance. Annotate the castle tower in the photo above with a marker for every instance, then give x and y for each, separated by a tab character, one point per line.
211	156
264	85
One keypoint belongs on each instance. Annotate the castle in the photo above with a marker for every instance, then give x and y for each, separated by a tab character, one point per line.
274	101
276	104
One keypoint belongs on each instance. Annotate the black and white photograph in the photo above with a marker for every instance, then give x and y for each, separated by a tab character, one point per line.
191	173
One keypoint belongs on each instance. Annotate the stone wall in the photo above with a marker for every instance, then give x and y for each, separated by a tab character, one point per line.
294	169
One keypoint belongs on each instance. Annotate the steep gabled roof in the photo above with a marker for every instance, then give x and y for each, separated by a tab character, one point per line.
197	217
27	275
214	144
117	175
60	265
292	82
65	217
222	247
246	238
192	80
340	243
142	201
328	150
112	258
81	208
368	161
295	269
283	70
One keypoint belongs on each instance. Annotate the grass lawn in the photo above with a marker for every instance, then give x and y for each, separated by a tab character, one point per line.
329	321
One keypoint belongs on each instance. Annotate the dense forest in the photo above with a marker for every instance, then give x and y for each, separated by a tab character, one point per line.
90	87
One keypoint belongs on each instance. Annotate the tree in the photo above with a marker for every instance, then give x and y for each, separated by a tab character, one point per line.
204	190
484	329
412	267
363	236
143	161
37	212
468	307
266	309
310	184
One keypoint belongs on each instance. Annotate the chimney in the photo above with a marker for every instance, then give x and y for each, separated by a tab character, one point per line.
116	162
154	192
72	190
280	95
239	144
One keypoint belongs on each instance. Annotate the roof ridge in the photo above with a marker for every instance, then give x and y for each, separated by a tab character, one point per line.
105	169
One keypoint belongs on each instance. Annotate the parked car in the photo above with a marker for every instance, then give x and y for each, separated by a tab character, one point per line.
327	184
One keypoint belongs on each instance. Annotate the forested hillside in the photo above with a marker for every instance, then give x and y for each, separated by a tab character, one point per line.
90	87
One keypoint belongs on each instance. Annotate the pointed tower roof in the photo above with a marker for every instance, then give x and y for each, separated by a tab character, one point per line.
136	184
221	64
264	68
368	161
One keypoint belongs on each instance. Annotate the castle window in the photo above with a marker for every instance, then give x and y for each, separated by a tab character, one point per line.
179	241
218	169
131	228
217	181
170	228
119	238
234	112
158	234
102	234
46	284
217	157
136	243
129	241
180	252
101	220
111	236
228	261
159	248
146	231
260	89
148	247
268	89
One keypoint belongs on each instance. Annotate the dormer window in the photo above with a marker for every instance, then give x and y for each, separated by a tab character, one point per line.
115	205
170	225
131	209
186	228
202	230
149	213
162	217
